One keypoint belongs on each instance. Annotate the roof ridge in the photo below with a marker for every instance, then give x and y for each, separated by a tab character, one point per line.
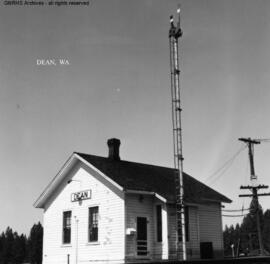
128	161
110	170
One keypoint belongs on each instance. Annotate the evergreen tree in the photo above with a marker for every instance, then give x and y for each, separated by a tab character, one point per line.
227	237
7	256
19	248
249	231
245	236
266	231
231	237
237	240
2	242
35	244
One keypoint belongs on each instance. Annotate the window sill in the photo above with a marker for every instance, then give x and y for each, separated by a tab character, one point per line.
66	245
93	243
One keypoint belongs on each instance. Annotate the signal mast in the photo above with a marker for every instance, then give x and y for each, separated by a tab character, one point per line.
175	33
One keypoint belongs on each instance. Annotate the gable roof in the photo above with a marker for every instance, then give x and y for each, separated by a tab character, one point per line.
150	178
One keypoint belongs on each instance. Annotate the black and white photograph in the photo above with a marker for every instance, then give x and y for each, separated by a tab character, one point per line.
134	131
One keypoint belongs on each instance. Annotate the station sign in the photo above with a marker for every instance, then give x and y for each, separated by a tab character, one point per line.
82	195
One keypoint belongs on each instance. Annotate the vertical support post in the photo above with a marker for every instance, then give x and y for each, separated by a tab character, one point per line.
251	159
258	221
174	34
77	238
232	246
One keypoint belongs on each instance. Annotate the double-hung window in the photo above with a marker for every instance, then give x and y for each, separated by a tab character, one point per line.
66	227
93	224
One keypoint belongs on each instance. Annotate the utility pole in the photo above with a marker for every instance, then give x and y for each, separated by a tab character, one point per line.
254	188
175	33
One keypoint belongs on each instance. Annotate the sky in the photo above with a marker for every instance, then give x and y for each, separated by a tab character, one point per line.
117	84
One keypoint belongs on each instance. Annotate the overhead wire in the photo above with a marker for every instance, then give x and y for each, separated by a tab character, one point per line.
219	175
224	168
219	172
235	215
264	140
235	210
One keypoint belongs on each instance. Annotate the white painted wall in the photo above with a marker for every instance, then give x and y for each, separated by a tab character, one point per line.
210	223
118	211
111	221
136	207
146	207
172	231
193	245
161	249
204	226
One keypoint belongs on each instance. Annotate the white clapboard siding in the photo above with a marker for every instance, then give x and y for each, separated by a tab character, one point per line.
160	249
111	234
172	231
211	226
136	206
193	244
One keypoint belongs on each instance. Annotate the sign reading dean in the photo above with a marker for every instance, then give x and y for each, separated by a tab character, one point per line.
79	196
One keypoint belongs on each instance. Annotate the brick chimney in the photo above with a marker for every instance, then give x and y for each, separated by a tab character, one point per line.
114	144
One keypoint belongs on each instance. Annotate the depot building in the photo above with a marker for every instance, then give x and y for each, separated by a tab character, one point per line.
107	210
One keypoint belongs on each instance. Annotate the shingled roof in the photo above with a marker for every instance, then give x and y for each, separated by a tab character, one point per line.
144	177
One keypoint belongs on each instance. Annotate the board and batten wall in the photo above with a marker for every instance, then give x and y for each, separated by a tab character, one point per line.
110	200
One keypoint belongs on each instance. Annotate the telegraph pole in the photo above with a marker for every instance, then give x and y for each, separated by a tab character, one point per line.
250	142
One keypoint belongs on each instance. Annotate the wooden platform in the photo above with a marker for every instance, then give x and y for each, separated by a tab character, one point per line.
251	260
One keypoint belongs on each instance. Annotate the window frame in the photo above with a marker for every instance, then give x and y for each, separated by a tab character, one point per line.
66	227
93	222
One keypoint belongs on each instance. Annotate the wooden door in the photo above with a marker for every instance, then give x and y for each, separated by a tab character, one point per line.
142	249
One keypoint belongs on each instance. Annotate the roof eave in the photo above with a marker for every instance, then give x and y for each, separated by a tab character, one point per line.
41	200
99	172
158	196
224	200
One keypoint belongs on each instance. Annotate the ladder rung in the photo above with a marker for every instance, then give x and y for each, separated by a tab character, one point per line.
179	157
